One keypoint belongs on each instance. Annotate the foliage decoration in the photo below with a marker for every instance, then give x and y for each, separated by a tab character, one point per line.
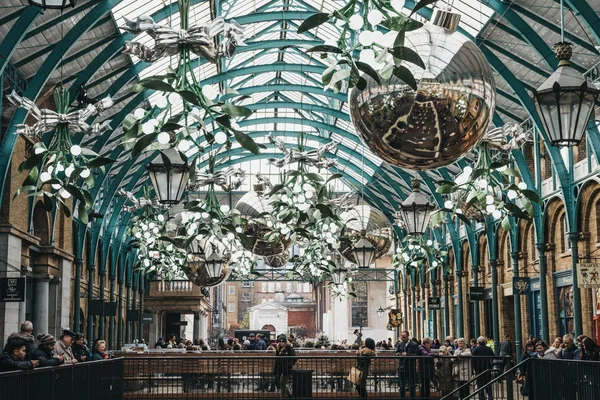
416	252
378	57
490	188
183	109
55	171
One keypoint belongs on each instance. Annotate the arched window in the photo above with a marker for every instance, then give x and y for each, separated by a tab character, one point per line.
564	229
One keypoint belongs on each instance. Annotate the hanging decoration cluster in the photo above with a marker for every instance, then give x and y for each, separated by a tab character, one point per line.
63	169
416	252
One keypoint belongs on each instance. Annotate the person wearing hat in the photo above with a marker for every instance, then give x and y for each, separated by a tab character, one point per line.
44	351
13	356
80	350
284	362
63	346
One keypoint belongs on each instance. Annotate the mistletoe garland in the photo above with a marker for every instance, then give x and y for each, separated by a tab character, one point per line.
182	111
489	189
416	252
376	60
61	170
157	253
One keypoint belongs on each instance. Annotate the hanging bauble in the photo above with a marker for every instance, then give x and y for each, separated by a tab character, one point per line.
278	260
252	207
373	223
447	114
200	254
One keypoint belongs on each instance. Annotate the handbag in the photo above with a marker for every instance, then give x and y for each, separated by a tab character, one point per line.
355	376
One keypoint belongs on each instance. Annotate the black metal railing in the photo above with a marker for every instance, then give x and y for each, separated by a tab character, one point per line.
95	380
313	376
563	379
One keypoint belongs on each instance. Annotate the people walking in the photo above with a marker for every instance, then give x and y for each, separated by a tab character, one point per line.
284	362
407	368
482	365
462	368
506	350
363	362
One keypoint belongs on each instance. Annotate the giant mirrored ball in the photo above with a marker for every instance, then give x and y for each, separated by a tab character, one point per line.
448	113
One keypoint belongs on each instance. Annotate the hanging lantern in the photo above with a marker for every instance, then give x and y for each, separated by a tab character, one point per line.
169	175
565	101
53	4
380	312
338	276
375	226
416	210
445	117
214	266
364	252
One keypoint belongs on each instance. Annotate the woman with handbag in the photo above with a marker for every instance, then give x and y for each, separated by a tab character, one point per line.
358	375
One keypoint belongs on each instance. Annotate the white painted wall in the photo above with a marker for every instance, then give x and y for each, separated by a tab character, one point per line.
269	315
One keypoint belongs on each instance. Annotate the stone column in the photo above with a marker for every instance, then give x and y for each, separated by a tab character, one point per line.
10	260
41	306
196	326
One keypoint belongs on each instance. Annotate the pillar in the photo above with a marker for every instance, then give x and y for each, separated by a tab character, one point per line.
447	305
517	304
77	295
10	258
133	307
111	319
413	326
101	317
475	270
574	239
541	249
120	314
495	319
196	325
90	297
459	320
433	313
41	307
127	338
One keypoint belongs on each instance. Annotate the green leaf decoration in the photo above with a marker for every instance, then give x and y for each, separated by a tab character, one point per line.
408	54
531	195
99	162
190	97
275	189
401	23
23	189
323	48
154	84
505	224
334	177
89	202
498	164
83	215
339	76
76	193
169	127
515	211
31	162
48	203
32	177
325	210
142	143
236	111
420	5
406	76
367	69
246	142
445	189
65	209
511	172
464	219
313	21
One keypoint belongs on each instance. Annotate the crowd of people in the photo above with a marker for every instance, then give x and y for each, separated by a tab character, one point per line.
24	351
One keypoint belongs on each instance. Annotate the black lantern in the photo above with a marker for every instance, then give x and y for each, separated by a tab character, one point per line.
364	251
380	312
338	276
214	266
416	210
565	101
52	4
169	175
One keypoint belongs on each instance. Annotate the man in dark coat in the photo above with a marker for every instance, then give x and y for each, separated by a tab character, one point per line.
14	354
284	362
26	333
80	350
407	368
506	350
261	344
44	354
482	361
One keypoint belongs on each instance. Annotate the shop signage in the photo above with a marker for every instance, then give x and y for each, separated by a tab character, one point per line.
521	286
100	307
147	318
435	303
12	289
395	317
132	315
588	275
476	293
